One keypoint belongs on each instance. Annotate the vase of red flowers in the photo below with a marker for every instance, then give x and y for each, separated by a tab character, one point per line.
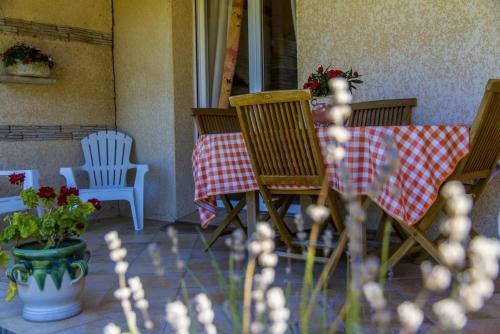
50	262
317	82
25	60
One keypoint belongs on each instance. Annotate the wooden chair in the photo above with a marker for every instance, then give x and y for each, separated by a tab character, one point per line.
285	154
382	113
473	171
216	121
107	155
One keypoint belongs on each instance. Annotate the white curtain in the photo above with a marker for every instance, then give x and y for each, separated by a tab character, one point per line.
219	12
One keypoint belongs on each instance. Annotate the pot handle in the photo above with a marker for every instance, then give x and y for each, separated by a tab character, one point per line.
13	272
82	265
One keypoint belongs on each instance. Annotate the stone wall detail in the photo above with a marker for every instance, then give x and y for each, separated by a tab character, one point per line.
52	31
48	132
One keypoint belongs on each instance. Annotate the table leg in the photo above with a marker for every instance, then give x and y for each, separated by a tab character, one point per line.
252	211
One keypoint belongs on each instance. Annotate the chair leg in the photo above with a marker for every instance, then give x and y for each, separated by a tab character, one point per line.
225	223
400	252
331	265
139	208
229	207
278	221
137	225
426	244
337	221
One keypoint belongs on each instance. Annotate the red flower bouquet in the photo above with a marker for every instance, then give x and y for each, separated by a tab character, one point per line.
317	82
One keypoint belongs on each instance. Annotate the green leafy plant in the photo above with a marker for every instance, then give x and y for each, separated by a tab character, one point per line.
25	54
65	215
317	82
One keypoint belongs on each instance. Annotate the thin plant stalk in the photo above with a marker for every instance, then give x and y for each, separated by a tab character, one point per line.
386	241
232	296
247	295
308	277
342	314
185	295
383	263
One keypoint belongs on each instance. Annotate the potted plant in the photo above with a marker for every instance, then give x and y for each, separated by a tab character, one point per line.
25	60
317	82
50	262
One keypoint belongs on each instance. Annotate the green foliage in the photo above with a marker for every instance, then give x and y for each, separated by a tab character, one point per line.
11	291
4	258
317	82
65	215
26	54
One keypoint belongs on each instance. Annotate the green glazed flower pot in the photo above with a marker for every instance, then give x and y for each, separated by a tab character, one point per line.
50	281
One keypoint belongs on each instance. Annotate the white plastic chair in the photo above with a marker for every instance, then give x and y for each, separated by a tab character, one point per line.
14	203
106	155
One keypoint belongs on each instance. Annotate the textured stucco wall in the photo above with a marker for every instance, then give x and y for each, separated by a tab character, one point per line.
89	14
83	93
441	52
154	90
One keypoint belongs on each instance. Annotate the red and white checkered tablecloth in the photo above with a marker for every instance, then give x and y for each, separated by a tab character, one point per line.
428	155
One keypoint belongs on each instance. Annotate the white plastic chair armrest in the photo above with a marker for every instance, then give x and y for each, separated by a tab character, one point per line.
31	177
139	175
69	175
31	181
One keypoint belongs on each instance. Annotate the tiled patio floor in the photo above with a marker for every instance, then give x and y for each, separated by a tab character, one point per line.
100	307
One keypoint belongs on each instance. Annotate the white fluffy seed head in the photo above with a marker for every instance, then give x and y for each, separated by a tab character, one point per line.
275	298
268	260
453	253
375	296
338	84
436	278
450	313
469	298
122	293
339	133
111	328
318	213
343	97
111	236
410	317
456	228
135	283
118	254
339	114
121	267
264	231
453	189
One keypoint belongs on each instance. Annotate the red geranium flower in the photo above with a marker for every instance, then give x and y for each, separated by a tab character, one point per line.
17	178
314	84
96	203
320	69
306	85
46	192
64	193
335	73
355	74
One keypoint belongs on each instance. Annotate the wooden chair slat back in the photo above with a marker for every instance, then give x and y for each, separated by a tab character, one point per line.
280	137
106	155
215	120
485	135
382	112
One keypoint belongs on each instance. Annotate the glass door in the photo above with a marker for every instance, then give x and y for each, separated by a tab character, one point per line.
267	54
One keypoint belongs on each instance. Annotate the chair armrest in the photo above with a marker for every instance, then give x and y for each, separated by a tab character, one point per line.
139	175
69	175
31	177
